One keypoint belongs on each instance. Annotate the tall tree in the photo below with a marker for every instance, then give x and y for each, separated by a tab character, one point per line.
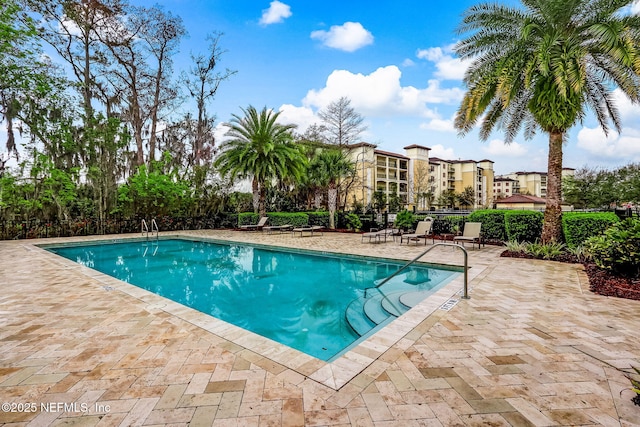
202	81
329	167
161	34
72	28
541	66
342	123
261	149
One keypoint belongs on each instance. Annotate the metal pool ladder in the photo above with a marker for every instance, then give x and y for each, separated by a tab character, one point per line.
465	292
144	228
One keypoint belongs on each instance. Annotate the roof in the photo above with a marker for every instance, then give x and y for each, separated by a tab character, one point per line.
502	179
522	198
530	173
390	154
416	146
361	144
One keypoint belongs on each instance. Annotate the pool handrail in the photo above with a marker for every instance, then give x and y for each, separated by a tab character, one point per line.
465	292
144	228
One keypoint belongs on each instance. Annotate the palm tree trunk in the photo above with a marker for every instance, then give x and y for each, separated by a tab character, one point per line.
333	201
262	208
256	194
552	229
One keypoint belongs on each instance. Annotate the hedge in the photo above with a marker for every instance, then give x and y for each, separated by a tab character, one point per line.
523	226
493	225
578	227
319	218
447	224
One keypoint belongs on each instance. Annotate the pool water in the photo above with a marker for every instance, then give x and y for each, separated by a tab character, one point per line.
320	304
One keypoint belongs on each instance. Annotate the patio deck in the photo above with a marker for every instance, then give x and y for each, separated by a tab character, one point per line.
532	347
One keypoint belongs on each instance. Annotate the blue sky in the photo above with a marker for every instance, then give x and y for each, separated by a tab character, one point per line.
392	59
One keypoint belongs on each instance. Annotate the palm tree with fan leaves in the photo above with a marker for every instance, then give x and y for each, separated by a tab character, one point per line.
541	67
261	149
329	167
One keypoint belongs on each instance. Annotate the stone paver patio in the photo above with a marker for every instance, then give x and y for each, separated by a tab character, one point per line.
532	347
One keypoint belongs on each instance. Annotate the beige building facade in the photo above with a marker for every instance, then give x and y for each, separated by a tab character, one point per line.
528	183
417	179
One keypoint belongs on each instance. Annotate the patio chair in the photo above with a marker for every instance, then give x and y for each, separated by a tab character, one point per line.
471	233
423	230
277	228
311	229
255	227
377	236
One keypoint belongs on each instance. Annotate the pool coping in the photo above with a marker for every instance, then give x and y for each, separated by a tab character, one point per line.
334	374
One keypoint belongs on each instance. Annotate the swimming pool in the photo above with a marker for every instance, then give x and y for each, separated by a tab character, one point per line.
318	303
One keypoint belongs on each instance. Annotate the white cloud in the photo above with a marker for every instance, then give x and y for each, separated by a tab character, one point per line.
381	94
349	36
439	151
440	125
620	148
447	66
276	13
301	116
408	63
497	147
635	7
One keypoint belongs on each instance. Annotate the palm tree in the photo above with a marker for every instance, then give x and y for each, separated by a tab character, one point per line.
541	67
260	149
329	166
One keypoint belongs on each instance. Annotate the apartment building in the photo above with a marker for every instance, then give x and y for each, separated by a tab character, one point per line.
457	175
531	183
379	170
414	174
504	187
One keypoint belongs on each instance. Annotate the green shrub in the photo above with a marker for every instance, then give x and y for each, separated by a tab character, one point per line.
523	226
405	220
618	249
448	224
578	227
248	218
320	218
492	223
296	219
353	221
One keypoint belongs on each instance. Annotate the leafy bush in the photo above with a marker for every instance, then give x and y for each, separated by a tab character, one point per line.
515	246
492	220
353	221
618	249
248	218
405	220
523	226
296	219
319	218
578	227
448	224
580	252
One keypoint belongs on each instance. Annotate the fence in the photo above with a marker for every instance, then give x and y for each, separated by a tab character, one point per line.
36	228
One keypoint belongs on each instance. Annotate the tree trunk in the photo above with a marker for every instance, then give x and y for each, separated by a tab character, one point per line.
552	228
256	194
333	201
262	203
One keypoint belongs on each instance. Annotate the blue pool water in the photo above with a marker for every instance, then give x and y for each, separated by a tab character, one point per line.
319	304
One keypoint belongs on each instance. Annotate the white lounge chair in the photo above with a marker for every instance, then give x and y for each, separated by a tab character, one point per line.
254	227
471	233
423	230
